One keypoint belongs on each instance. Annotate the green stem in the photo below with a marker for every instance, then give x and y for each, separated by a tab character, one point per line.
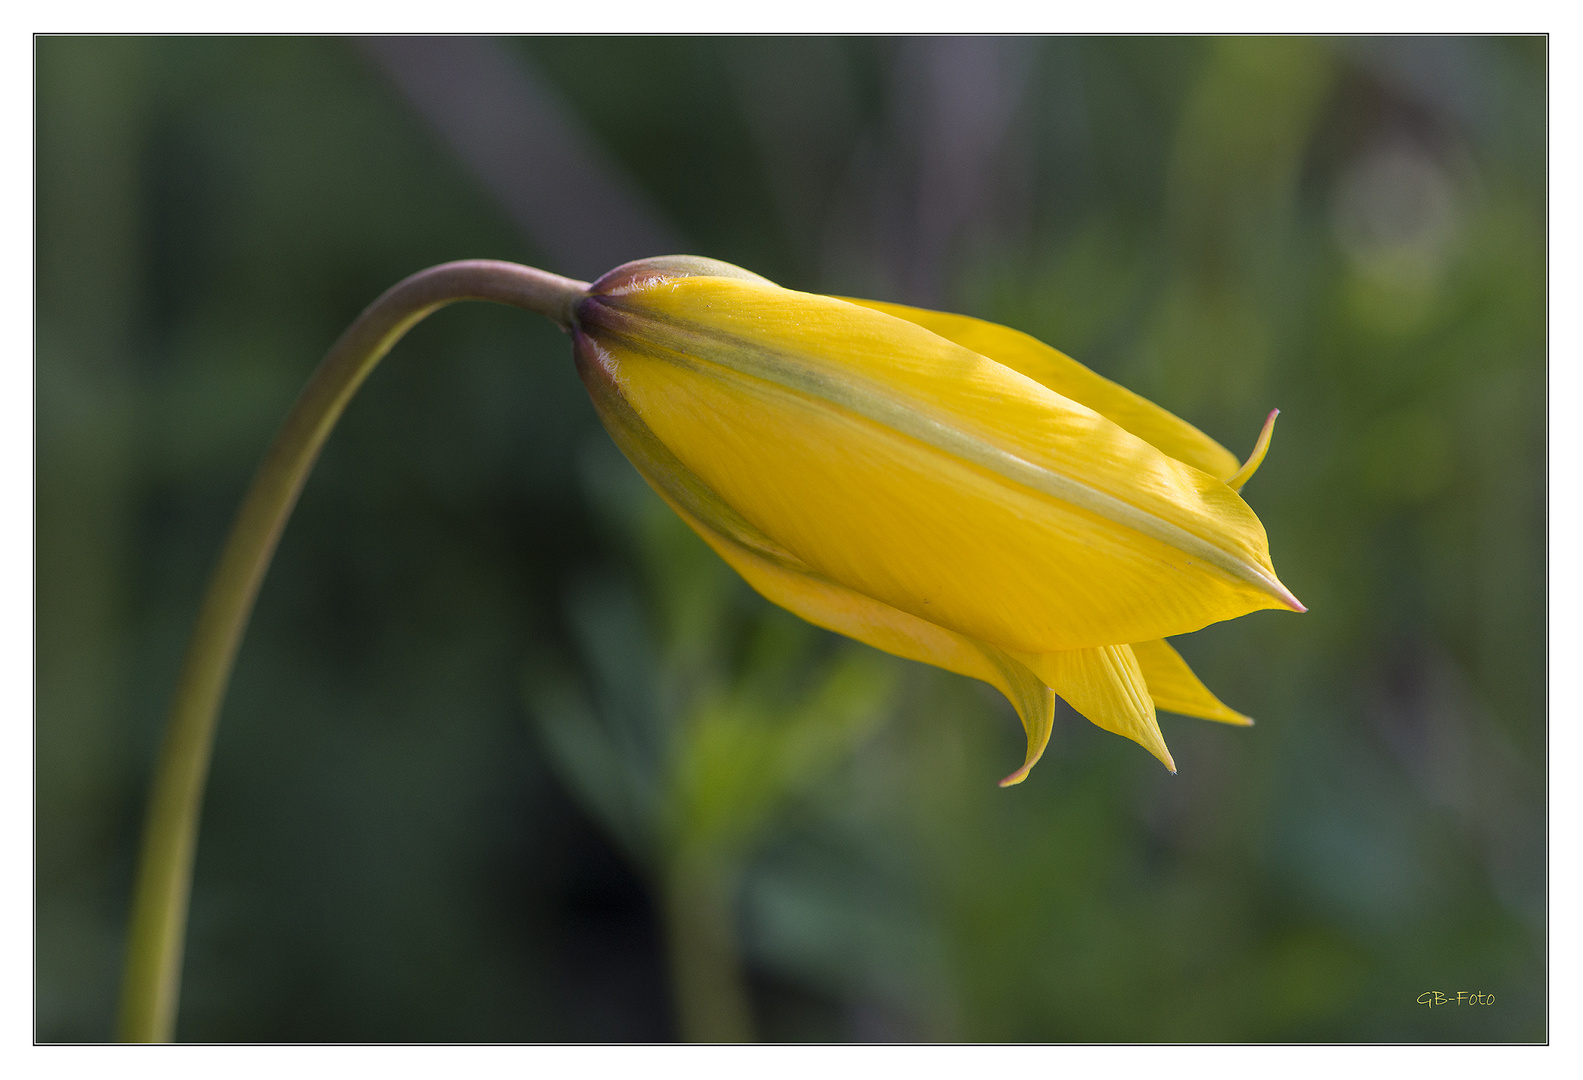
164	876
712	1003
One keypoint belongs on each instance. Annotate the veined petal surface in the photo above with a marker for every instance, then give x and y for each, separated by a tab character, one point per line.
1107	686
1175	688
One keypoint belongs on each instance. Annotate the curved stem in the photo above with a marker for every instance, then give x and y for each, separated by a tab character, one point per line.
164	876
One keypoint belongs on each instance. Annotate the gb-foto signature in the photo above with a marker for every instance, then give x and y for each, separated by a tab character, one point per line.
1461	997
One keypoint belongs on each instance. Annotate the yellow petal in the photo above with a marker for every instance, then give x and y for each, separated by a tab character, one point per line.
1175	688
926	476
1106	686
1255	459
782	579
1052	368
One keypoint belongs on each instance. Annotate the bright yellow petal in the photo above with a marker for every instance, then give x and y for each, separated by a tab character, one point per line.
1175	688
1052	368
921	474
784	580
1106	686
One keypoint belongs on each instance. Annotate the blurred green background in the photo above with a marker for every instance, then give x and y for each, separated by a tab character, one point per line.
407	838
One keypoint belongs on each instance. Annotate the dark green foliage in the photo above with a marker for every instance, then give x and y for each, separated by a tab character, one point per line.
1351	230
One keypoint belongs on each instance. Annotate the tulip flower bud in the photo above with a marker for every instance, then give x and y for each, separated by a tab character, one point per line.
940	488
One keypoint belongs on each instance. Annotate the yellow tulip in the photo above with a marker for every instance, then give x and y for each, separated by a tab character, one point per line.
941	488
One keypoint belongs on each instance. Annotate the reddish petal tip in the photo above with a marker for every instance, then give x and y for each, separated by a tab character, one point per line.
1017	777
1284	595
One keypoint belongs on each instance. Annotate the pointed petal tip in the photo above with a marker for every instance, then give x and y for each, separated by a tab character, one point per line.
1017	777
1236	481
1162	754
1284	595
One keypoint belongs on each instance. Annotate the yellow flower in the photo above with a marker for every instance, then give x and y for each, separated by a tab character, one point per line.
941	488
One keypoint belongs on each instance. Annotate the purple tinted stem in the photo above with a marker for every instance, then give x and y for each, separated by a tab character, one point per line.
152	979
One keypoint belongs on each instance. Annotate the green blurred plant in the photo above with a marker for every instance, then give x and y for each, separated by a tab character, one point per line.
1383	826
696	715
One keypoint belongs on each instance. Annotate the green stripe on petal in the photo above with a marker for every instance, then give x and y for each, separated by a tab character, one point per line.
1050	367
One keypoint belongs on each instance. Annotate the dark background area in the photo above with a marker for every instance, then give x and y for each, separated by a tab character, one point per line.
1352	230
